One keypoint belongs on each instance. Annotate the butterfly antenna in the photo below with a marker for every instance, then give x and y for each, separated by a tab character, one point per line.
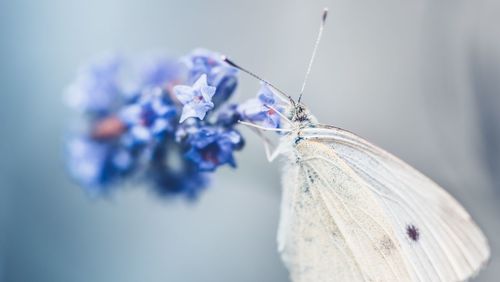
282	93
316	44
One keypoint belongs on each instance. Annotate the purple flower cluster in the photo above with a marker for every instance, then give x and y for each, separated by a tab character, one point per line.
167	122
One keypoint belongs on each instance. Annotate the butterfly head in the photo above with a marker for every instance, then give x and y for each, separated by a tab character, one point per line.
301	115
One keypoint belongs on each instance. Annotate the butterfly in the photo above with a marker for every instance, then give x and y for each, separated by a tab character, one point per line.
353	212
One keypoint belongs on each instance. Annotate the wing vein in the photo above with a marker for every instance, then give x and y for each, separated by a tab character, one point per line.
411	201
359	225
322	203
402	191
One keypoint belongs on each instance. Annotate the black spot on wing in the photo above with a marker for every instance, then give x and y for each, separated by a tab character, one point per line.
412	232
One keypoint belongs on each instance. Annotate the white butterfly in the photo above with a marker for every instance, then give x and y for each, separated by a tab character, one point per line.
353	212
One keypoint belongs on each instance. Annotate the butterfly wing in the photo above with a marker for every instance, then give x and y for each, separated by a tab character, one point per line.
310	243
334	229
434	237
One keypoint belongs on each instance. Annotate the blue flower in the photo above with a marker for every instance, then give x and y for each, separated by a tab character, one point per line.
97	88
228	116
95	164
197	99
151	116
157	71
172	174
257	109
219	73
211	147
133	126
189	182
107	128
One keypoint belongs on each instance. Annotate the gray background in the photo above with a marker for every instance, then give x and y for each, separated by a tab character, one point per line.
419	78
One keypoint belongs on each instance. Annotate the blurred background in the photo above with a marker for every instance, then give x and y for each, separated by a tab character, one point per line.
421	79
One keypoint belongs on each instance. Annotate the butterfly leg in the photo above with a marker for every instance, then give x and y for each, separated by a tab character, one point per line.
267	145
271	155
281	115
264	128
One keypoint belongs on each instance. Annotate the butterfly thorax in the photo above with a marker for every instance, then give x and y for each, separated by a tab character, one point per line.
300	118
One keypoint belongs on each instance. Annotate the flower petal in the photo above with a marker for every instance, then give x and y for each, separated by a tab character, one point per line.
184	93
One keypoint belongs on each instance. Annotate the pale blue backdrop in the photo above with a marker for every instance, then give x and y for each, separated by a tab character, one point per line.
420	78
